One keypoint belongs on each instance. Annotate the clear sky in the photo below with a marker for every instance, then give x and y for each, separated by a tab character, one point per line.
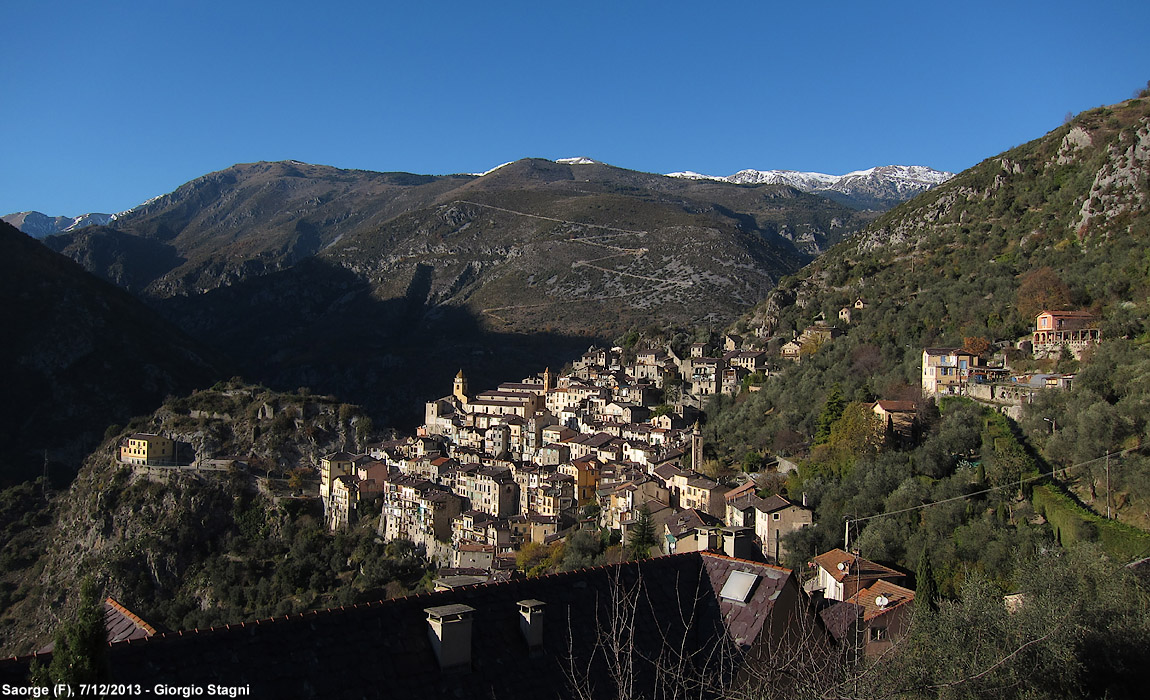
108	103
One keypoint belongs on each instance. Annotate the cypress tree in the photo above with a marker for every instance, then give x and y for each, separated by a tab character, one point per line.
833	409
926	597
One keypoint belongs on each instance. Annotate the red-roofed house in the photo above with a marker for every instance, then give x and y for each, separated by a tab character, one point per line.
876	617
1074	330
842	574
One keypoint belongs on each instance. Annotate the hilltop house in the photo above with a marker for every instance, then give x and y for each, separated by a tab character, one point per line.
896	419
1073	330
335	465
419	511
691	530
148	449
343	501
875	618
791	350
689	489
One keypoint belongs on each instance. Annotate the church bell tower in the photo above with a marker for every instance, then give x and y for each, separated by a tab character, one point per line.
459	387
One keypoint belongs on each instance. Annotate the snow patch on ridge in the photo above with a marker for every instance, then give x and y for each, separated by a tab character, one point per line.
691	175
488	172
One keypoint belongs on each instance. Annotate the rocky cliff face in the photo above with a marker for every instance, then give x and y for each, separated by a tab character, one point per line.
147	538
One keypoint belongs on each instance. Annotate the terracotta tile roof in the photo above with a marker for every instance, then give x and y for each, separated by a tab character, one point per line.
854	566
746	487
744	500
1068	314
123	624
943	351
703	482
893	595
774	502
120	623
468	546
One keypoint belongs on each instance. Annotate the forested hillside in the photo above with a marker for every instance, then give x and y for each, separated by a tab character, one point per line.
1058	223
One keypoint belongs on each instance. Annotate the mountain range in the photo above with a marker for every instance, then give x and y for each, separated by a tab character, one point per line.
875	188
39	225
378	287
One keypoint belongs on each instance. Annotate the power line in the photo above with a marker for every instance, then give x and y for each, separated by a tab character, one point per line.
1040	475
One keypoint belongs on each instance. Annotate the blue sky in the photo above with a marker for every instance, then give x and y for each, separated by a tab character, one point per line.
109	103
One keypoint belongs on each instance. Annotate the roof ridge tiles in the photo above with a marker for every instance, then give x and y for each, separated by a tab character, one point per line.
718	555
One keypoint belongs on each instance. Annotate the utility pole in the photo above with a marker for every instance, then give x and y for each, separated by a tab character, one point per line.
1054	433
1108	486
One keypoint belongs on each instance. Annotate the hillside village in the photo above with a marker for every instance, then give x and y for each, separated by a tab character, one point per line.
488	473
600	447
610	446
527	462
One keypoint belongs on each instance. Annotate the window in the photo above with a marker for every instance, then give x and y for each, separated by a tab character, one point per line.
739	586
877	634
774	516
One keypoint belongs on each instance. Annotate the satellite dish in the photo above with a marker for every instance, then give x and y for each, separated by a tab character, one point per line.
842	566
881	601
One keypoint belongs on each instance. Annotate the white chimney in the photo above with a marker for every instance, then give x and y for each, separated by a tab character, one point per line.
531	623
449	629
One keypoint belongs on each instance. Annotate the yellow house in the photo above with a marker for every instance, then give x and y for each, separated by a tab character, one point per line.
148	449
945	371
586	475
332	466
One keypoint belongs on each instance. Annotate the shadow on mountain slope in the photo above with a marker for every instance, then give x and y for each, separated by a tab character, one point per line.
320	326
79	354
127	261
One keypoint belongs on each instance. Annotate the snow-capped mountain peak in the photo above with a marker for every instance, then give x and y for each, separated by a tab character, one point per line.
40	225
881	186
